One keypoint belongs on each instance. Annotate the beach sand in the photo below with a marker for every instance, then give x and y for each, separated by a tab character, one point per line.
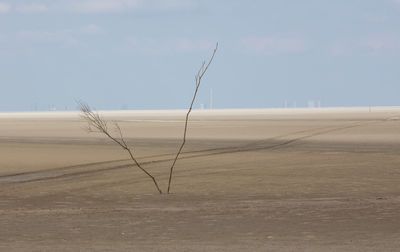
323	179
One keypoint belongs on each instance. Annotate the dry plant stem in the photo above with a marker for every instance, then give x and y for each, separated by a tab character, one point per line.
198	77
95	121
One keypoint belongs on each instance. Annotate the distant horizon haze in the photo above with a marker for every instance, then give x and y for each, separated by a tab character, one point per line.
221	110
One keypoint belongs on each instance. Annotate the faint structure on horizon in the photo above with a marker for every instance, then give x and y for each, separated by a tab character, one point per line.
313	104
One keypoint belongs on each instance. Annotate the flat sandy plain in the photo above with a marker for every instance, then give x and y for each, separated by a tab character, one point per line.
249	180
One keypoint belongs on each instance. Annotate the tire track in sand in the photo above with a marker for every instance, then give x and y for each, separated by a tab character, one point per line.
98	167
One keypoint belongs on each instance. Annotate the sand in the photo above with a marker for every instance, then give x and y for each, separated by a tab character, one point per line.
248	180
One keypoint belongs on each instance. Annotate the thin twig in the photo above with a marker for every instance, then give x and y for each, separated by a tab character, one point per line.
198	77
97	123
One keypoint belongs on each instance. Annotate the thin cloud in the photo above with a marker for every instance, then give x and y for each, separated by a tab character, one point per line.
274	45
383	43
32	8
31	34
375	17
98	6
167	5
156	46
113	6
190	45
4	7
91	29
377	44
101	6
27	35
66	37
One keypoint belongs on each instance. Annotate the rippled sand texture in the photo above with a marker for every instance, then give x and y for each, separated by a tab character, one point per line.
248	180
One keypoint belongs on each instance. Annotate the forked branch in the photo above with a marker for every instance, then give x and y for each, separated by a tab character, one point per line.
198	78
97	124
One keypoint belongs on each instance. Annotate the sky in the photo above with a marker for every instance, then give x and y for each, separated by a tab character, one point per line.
143	54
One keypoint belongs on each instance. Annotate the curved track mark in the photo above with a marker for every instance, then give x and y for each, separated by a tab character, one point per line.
85	169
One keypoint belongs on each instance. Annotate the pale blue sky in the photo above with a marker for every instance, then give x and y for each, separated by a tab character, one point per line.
143	54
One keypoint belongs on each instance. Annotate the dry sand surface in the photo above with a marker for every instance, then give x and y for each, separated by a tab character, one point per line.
249	180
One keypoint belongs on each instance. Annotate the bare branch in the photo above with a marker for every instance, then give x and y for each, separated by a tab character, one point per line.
120	134
198	77
95	121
